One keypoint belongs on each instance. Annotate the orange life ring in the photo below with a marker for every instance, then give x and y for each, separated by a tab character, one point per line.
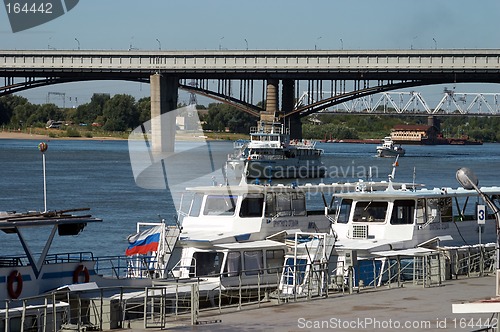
79	270
13	277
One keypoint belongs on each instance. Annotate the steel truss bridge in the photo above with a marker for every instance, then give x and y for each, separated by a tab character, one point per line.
245	78
412	102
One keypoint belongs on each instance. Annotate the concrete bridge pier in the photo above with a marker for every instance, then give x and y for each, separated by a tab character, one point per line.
287	105
272	101
164	95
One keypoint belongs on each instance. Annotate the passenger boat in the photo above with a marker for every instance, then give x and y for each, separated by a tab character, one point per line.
389	149
271	153
235	235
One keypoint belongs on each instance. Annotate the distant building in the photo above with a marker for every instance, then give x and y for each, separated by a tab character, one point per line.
413	134
417	134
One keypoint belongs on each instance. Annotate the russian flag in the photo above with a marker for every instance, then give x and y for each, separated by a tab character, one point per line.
144	242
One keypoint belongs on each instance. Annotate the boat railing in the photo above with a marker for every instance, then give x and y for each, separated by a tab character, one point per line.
13	261
69	257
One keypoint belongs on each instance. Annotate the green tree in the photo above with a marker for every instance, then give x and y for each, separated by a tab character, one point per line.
88	113
221	116
144	109
8	104
120	113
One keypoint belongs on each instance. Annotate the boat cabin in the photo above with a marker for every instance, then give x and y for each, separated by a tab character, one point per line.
409	218
249	212
264	258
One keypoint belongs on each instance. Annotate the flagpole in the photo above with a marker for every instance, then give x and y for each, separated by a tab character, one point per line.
43	147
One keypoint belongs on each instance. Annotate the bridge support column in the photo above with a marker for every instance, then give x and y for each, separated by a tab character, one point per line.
287	105
271	101
164	94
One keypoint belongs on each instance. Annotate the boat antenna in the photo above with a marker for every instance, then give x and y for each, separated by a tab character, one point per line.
43	147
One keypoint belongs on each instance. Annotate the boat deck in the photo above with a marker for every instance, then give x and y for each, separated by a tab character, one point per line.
425	309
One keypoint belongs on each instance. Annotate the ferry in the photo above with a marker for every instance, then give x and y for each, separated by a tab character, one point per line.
271	153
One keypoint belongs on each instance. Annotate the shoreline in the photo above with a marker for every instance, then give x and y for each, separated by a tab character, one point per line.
23	135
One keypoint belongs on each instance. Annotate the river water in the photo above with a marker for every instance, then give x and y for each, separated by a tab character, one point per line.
98	174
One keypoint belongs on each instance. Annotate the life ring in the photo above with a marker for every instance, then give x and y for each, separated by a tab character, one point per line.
13	277
79	270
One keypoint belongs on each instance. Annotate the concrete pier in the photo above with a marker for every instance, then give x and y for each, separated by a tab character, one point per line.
164	94
410	308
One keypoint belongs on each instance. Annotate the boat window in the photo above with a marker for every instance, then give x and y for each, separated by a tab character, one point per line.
370	211
445	206
421	215
299	204
30	324
194	211
283	204
254	262
402	212
252	205
274	260
345	211
233	264
270	208
220	205
206	263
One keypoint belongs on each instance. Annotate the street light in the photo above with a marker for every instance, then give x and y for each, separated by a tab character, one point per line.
435	43
469	181
341	44
246	42
78	43
159	44
316	41
220	43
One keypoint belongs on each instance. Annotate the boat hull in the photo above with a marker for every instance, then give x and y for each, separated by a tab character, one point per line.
387	153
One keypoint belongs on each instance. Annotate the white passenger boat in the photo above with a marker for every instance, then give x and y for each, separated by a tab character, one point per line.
271	153
389	149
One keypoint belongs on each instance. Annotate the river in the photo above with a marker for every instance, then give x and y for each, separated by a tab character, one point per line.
98	174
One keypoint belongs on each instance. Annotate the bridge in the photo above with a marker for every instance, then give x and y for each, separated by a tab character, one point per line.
238	77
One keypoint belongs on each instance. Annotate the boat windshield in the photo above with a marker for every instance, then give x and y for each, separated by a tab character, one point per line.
220	205
403	212
370	212
252	206
345	211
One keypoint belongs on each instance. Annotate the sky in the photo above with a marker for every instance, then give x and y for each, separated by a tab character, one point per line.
256	24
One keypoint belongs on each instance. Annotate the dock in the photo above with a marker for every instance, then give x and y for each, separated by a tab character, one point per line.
408	308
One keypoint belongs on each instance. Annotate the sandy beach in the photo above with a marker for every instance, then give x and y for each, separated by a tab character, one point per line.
22	135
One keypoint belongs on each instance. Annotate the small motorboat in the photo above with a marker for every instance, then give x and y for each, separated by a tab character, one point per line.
389	149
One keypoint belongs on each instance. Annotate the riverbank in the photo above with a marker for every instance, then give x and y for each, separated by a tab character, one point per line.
23	135
4	134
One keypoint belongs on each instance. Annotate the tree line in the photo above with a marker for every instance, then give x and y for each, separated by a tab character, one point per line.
121	113
118	113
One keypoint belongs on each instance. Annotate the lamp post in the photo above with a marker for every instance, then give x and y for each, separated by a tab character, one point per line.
435	43
159	44
220	43
78	43
469	181
315	46
246	42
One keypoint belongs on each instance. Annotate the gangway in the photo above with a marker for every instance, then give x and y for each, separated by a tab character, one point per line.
305	272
